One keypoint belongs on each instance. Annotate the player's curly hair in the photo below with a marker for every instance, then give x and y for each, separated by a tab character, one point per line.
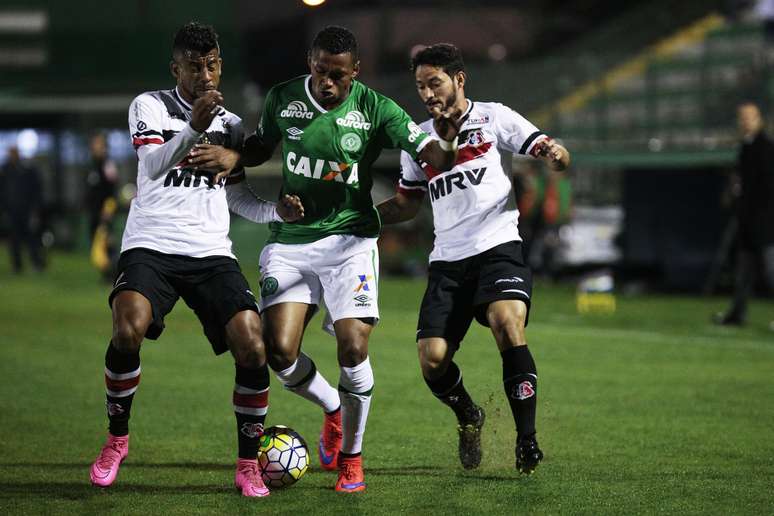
443	55
335	40
196	37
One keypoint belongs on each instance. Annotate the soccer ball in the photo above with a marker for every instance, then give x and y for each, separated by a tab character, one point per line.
283	456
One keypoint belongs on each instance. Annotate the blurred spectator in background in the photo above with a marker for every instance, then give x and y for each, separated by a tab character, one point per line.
22	199
754	189
544	199
101	204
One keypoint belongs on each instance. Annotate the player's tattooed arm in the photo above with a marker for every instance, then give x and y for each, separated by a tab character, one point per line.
555	155
399	208
442	154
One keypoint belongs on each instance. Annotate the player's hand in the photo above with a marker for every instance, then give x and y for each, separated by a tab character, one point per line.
548	148
216	158
447	123
290	209
204	110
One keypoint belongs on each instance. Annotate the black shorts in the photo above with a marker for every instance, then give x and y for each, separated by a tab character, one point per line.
213	287
461	290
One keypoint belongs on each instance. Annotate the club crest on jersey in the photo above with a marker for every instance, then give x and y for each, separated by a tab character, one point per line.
523	391
475	138
296	109
363	285
355	120
351	142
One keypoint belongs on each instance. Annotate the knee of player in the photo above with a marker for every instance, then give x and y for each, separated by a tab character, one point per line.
506	321
432	360
127	336
250	353
280	359
352	353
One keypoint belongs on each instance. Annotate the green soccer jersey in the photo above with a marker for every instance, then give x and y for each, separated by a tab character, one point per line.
327	156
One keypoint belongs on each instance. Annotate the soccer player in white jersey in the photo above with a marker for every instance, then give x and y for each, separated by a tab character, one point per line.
331	128
176	245
476	266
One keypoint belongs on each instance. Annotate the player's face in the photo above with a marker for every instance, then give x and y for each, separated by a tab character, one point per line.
437	89
197	73
332	76
749	119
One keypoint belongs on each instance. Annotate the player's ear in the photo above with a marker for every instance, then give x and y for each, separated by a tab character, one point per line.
460	79
174	69
355	69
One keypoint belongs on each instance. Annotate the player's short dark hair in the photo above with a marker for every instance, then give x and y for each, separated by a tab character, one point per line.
196	37
335	40
443	55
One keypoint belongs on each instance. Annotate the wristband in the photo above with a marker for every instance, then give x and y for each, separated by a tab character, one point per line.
448	145
276	216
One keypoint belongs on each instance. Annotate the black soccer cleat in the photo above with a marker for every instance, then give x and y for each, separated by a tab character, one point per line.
470	439
528	455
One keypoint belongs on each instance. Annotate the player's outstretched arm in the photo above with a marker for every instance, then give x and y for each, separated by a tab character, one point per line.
399	208
555	155
442	154
243	201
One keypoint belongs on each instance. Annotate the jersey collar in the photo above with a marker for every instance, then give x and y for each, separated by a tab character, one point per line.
181	100
311	97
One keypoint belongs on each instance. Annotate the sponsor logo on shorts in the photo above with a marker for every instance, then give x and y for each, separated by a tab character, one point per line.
523	391
269	286
252	430
141	126
296	109
250	292
114	409
362	301
363	285
514	279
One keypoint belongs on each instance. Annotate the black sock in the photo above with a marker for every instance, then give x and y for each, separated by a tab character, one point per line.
520	383
122	376
451	391
251	401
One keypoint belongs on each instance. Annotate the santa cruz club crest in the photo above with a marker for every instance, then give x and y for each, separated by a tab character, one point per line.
523	391
351	142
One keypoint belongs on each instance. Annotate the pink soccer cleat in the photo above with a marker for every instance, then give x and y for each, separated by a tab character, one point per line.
248	478
105	467
330	441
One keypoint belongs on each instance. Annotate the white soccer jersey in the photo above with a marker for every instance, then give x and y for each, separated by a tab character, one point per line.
470	201
177	210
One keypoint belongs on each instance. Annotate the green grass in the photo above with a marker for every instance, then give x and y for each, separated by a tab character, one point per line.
650	410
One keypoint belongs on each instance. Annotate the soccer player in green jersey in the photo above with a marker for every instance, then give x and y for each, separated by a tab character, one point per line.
332	128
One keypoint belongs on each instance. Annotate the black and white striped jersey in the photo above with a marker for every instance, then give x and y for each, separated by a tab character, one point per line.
470	202
178	210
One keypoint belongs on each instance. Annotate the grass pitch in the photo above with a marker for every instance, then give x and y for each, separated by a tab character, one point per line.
650	410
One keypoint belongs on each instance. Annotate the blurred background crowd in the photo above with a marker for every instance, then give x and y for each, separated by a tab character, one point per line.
645	94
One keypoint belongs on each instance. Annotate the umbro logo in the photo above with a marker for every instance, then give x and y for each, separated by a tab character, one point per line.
296	109
355	120
294	133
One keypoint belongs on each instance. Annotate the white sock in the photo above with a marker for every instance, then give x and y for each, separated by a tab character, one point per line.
355	386
304	379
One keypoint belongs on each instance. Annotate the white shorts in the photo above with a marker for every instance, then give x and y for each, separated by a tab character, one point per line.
341	270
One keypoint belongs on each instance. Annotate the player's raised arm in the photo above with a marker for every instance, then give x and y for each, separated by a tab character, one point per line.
159	156
442	154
